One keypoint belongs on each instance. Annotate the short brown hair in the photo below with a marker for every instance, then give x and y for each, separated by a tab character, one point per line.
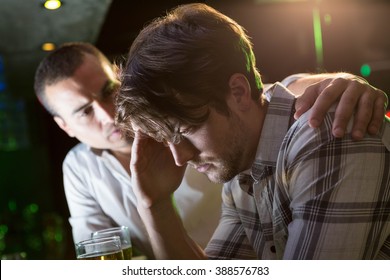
61	64
178	66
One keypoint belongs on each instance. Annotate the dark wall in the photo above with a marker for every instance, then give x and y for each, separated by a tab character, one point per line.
354	32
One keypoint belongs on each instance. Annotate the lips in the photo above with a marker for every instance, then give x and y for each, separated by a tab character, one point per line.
114	134
203	168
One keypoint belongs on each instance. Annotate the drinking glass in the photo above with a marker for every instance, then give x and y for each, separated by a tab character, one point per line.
124	234
107	248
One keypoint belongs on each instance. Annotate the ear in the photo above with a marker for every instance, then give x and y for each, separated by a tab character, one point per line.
61	123
240	90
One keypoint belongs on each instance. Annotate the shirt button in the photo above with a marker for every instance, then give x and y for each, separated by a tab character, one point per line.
273	249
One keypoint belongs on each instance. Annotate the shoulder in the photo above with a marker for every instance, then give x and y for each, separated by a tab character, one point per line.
81	154
79	149
302	130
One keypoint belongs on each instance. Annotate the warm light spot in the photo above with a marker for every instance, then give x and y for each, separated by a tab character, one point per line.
52	4
48	47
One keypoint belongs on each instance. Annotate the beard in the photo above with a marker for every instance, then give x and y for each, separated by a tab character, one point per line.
226	169
232	156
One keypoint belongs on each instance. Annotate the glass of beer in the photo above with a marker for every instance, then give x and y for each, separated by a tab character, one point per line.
107	248
123	233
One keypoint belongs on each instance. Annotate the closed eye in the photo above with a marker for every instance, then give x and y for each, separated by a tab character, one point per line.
186	130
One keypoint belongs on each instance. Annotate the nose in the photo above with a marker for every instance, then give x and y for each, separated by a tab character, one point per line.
182	152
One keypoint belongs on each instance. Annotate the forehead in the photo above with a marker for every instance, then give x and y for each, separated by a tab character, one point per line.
92	70
87	82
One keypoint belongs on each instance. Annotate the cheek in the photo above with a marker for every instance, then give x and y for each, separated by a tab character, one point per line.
210	142
110	108
89	132
214	135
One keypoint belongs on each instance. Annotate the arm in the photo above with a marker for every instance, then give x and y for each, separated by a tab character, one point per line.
230	239
323	90
85	214
167	235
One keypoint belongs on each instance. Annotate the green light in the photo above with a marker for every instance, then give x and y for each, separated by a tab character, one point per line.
12	205
365	70
58	237
318	37
33	208
174	204
3	230
12	143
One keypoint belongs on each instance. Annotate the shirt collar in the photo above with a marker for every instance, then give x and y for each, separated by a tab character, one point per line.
102	153
276	124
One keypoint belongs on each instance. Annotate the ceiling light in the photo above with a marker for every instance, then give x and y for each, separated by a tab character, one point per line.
47	47
52	4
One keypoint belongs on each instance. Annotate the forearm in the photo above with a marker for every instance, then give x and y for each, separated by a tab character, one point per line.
167	235
299	82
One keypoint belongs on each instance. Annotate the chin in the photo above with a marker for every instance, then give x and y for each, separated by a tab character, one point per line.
220	177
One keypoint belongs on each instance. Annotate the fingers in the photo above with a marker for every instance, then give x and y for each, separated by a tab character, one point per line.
356	98
136	149
305	102
142	145
369	110
363	115
352	100
327	97
380	106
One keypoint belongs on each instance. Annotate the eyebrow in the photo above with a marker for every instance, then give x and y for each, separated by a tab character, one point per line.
80	108
106	86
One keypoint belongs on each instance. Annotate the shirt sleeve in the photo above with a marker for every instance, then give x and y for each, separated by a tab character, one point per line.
229	240
335	192
86	215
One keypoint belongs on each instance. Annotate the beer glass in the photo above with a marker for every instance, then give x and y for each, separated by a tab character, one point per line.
124	234
107	248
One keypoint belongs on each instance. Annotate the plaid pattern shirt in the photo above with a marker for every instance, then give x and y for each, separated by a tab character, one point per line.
307	195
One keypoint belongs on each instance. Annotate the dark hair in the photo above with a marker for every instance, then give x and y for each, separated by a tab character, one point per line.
59	65
178	66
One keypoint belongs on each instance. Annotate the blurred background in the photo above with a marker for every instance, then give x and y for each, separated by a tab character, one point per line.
289	36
